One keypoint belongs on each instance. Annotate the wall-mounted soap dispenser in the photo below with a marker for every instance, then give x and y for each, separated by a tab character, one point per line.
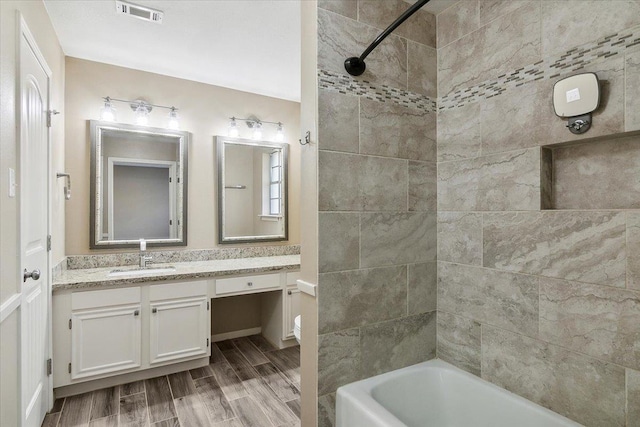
575	98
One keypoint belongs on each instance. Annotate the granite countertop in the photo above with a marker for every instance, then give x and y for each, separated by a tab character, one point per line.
98	277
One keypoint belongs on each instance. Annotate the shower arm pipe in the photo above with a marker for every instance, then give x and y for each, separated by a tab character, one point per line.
355	65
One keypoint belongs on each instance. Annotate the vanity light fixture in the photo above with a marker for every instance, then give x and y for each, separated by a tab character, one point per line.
108	111
255	125
141	109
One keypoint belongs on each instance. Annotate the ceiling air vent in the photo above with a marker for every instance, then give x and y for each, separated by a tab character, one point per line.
140	12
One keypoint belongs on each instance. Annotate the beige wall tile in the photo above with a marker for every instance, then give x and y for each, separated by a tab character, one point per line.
458	20
390	130
348	8
632	96
508	181
459	133
591	319
582	246
569	23
338	360
487	296
421	27
356	298
524	117
459	342
338	120
586	390
422	69
598	175
633	250
492	9
422	288
505	44
460	237
349	182
338	241
398	343
340	38
422	186
633	398
397	238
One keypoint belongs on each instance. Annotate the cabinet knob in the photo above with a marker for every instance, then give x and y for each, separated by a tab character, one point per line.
249	284
136	313
289	292
154	310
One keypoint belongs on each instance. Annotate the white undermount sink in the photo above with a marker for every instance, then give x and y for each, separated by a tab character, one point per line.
140	271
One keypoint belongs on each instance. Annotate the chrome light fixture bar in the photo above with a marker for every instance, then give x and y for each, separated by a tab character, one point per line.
256	125
141	110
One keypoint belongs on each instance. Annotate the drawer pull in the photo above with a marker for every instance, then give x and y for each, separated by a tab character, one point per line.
136	313
154	310
249	284
289	292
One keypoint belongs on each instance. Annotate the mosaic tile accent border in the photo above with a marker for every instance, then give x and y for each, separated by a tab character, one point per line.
75	262
346	84
551	68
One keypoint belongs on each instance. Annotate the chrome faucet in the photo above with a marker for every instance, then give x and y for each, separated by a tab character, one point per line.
144	258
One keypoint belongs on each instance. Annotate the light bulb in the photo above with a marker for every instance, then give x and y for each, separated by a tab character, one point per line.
174	123
257	130
108	112
142	115
233	128
280	133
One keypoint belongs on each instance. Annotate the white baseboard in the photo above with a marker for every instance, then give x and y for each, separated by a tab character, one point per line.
236	334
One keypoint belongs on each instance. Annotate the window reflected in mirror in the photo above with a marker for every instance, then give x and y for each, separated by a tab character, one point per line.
252	190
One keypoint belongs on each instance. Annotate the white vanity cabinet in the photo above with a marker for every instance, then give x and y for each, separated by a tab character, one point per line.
101	334
179	322
95	348
291	310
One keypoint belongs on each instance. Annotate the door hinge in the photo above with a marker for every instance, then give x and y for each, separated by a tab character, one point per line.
69	323
169	179
207	305
170	222
207	342
49	243
49	367
49	114
69	367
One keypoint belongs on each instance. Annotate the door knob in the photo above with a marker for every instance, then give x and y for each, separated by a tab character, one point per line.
35	275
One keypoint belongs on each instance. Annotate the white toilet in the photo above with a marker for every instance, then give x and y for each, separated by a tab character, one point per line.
296	328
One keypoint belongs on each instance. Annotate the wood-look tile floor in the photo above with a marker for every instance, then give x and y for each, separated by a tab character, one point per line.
248	383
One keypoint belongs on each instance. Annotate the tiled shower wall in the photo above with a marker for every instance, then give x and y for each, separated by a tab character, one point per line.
377	195
544	303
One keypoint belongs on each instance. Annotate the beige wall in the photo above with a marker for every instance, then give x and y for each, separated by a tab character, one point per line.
309	215
204	111
38	22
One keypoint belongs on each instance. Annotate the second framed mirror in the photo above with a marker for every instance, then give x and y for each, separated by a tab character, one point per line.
252	190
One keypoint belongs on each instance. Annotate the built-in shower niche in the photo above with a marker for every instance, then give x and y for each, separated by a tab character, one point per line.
600	173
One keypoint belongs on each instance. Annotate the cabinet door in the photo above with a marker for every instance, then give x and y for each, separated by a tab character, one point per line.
179	329
105	340
291	310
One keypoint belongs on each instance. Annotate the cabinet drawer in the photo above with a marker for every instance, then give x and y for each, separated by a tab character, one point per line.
247	283
292	278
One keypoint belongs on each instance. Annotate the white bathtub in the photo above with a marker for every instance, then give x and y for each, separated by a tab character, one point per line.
437	394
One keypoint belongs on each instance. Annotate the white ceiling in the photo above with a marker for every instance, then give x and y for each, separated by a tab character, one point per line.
248	45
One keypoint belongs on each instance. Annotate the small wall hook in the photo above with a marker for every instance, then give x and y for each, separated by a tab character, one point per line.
67	184
307	138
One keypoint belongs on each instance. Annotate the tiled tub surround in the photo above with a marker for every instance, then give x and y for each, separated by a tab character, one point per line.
377	195
544	303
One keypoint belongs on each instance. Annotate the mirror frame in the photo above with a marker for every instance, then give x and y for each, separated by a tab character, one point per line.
96	127
220	142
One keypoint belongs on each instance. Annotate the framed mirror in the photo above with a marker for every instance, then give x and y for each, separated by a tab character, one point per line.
138	185
252	190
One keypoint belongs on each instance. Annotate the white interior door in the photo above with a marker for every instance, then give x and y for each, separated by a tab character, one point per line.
34	228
